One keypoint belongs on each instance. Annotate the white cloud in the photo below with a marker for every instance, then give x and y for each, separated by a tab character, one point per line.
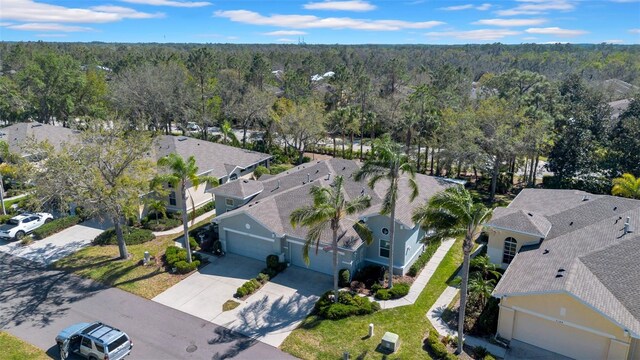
185	4
477	35
534	7
126	12
481	7
285	40
284	33
634	31
510	22
48	27
556	31
625	1
5	23
555	42
352	5
314	22
33	11
614	41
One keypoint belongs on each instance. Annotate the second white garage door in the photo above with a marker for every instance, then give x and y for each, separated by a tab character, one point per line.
559	338
248	246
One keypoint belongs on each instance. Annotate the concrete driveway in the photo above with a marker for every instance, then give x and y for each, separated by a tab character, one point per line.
56	246
269	315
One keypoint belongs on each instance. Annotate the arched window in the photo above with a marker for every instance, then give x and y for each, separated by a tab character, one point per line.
510	245
233	176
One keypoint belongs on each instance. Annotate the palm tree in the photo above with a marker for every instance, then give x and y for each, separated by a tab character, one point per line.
484	267
626	186
482	288
453	213
158	207
389	163
180	173
227	133
330	207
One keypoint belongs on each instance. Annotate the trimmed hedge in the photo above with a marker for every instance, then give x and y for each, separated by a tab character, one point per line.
347	305
261	170
132	236
437	347
176	257
162	224
55	226
419	264
397	291
248	288
344	277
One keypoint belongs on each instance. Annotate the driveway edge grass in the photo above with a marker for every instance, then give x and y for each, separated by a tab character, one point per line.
326	339
13	348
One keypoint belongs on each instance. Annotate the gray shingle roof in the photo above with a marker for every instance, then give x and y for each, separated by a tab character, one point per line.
586	239
17	135
213	157
240	189
287	191
521	221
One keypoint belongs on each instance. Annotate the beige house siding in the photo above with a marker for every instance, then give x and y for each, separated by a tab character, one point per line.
562	324
495	246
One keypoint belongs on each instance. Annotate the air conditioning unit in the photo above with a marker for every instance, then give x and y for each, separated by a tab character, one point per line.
281	257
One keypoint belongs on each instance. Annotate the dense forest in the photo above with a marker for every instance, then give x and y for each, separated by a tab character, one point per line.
489	112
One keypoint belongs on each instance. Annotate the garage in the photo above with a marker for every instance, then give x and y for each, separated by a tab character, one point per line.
559	338
249	246
322	262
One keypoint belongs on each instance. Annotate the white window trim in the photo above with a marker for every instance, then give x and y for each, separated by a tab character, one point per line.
380	248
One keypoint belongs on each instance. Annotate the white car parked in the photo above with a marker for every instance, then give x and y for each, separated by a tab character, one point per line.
19	226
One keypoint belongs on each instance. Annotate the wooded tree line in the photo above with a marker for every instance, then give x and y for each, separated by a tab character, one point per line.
483	109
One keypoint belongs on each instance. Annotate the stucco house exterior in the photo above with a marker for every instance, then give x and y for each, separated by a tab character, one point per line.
572	280
226	163
253	218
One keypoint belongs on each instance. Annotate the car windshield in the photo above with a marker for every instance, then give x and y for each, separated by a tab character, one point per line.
13	222
117	342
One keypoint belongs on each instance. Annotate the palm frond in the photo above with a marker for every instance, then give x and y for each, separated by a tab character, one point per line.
389	199
358	204
364	232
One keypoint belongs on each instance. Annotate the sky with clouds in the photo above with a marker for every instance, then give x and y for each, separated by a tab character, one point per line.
323	21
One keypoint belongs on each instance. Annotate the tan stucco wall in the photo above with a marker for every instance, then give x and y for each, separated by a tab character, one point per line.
562	316
495	246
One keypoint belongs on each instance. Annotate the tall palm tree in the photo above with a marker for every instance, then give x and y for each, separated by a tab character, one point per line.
180	174
330	207
453	213
626	186
389	163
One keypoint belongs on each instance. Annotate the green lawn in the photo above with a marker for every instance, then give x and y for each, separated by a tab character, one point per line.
101	263
326	339
13	348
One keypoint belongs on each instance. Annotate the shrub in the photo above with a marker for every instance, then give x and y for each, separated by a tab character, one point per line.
422	260
277	169
270	272
479	352
183	267
375	287
383	294
4	218
488	357
55	226
193	243
132	236
399	290
438	349
347	305
248	288
174	254
357	286
262	278
261	170
201	210
343	277
162	224
369	275
272	261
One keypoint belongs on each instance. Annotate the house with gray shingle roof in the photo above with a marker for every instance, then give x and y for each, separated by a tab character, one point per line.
20	135
253	218
572	279
226	163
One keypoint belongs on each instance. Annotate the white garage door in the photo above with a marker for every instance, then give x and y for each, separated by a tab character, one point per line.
559	338
252	247
323	262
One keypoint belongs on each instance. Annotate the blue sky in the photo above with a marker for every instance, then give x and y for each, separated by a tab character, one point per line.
323	21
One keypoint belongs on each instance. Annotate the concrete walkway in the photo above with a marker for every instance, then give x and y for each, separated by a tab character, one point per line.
56	246
180	228
422	279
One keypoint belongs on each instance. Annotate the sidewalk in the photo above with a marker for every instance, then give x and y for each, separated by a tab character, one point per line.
180	228
434	316
422	279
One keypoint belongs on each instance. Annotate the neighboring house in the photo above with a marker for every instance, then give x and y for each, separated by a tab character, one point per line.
226	163
20	135
572	284
253	218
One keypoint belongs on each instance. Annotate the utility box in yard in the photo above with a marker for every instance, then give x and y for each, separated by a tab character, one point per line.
390	342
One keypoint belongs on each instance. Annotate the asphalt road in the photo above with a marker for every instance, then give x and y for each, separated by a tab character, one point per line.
36	303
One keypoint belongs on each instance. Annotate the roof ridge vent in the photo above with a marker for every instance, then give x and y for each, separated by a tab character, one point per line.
182	138
627	227
545	252
36	125
530	214
585	198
